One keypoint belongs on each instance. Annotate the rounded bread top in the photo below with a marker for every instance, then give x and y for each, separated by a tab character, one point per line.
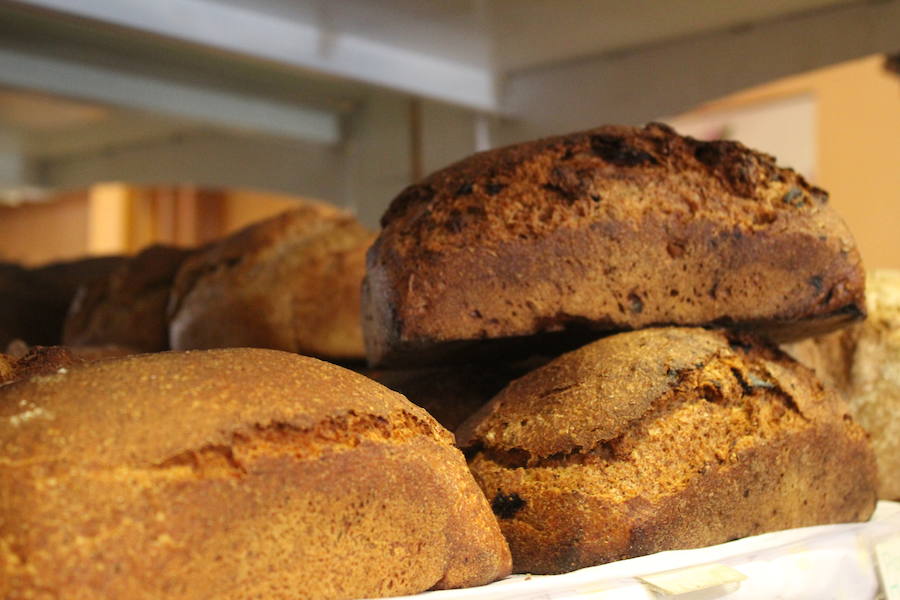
313	228
147	408
592	394
608	172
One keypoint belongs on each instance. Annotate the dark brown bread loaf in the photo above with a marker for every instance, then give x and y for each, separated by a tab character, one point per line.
662	439
615	228
237	473
128	307
289	283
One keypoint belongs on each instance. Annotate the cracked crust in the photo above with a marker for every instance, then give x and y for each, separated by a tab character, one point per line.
663	439
232	473
288	283
128	307
614	228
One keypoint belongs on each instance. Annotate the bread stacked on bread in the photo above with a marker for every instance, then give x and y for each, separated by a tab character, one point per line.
232	473
666	436
611	229
862	362
291	283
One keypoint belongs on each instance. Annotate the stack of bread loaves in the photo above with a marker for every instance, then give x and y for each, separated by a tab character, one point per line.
673	434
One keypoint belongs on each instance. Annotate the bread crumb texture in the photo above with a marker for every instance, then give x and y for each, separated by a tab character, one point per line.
615	228
238	473
663	439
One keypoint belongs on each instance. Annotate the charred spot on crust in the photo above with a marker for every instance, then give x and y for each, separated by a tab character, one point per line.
492	189
463	190
505	506
711	154
816	282
852	310
613	149
454	222
408	198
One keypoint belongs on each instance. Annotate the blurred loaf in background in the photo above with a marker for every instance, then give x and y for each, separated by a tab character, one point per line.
863	364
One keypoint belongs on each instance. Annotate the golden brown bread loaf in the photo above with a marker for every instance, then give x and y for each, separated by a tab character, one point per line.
614	228
863	363
128	307
236	473
662	439
289	283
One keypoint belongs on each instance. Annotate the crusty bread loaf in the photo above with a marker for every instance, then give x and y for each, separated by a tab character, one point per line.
291	283
662	439
615	228
863	363
128	307
236	473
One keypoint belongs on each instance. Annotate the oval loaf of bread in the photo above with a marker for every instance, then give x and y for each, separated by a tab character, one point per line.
662	439
611	229
235	473
291	282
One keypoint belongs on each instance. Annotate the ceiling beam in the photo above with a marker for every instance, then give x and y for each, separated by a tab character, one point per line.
294	43
669	77
118	88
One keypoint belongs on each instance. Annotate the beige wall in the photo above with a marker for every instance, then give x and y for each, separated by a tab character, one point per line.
857	151
37	233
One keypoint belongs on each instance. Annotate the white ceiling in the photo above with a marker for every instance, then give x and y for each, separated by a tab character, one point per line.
505	35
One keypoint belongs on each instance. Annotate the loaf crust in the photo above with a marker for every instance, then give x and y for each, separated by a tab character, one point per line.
614	228
663	439
291	283
128	307
863	363
236	473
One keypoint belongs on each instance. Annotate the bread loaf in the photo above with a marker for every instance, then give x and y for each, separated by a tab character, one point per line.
663	439
128	307
238	473
614	228
291	283
863	363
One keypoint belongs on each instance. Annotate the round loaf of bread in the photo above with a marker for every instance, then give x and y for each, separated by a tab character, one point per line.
610	229
128	307
236	473
291	283
663	439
